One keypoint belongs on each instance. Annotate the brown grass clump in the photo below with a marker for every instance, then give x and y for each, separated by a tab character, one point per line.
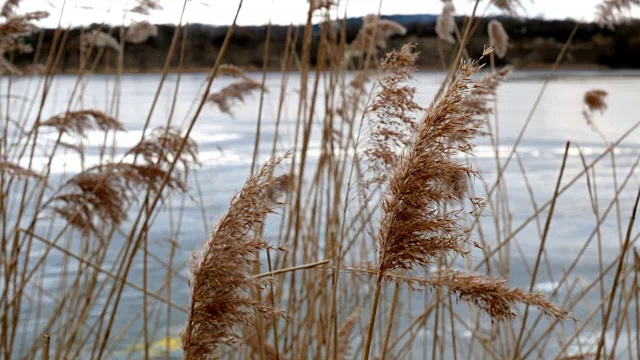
498	37
140	32
222	287
144	7
608	12
100	39
78	122
394	110
445	24
493	296
374	34
237	91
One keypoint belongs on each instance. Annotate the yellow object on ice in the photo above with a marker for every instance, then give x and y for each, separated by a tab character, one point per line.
159	347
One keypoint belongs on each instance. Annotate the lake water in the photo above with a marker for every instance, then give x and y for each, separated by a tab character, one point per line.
226	146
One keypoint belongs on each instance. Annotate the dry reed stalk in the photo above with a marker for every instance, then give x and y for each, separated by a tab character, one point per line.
498	37
394	109
144	7
415	228
345	335
374	34
6	67
609	12
264	350
140	32
446	24
237	91
617	278
100	40
222	285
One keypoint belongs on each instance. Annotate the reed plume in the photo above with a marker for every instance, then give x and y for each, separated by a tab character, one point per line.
374	34
318	5
9	8
609	12
595	100
222	285
236	91
78	122
493	296
140	32
100	39
478	100
16	27
16	171
508	6
498	37
416	228
395	109
103	193
144	7
232	71
445	24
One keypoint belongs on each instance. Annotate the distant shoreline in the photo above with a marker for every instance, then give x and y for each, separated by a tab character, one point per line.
204	70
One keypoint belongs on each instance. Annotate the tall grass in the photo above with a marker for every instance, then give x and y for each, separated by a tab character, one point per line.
390	243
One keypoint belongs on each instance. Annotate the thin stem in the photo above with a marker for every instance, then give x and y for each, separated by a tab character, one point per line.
542	244
625	248
372	321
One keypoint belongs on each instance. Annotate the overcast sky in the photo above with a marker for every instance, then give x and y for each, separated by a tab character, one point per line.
257	12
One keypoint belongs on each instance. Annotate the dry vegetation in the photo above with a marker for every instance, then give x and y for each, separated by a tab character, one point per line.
376	250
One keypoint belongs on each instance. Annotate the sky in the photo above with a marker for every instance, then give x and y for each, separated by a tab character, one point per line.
258	12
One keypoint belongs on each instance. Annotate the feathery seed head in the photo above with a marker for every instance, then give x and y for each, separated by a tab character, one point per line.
445	24
595	100
222	286
498	38
139	32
